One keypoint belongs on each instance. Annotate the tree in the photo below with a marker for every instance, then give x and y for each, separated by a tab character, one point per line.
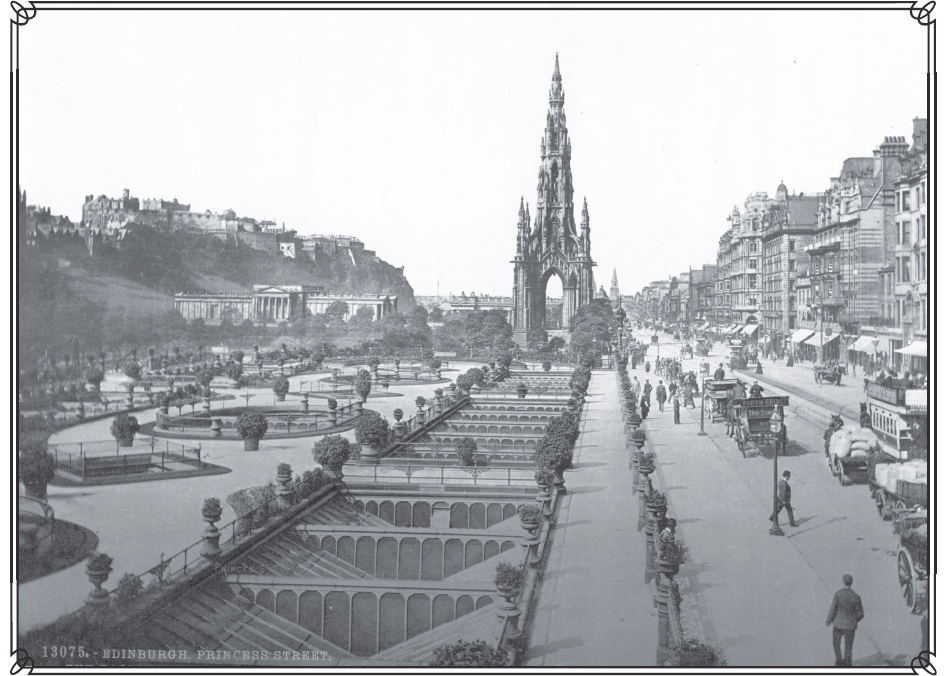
332	452
436	315
337	310
372	430
467	654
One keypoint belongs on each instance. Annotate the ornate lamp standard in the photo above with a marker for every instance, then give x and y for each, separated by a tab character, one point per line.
777	428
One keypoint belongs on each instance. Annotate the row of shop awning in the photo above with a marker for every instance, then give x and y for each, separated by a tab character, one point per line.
818	339
916	349
865	344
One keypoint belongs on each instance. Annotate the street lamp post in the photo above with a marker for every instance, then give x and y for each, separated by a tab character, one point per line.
776	427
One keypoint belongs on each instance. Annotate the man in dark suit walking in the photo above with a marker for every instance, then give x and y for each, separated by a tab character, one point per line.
784	498
719	373
844	615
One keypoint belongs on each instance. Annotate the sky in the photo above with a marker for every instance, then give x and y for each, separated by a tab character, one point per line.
418	132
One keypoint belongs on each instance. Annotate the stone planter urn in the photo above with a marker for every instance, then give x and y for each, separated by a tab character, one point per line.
560	483
126	443
283	491
206	405
251	444
398	415
531	540
217	427
668	568
211	546
305	402
97	576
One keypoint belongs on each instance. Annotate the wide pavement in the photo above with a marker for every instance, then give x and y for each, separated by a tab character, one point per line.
763	599
594	608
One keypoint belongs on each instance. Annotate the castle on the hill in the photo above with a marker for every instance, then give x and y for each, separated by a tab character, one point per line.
105	220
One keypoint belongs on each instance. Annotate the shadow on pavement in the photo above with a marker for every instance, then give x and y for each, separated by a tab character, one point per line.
543	650
585	465
585	489
809	518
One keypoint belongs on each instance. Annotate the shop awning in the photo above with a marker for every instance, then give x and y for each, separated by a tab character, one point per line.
916	349
704	327
800	335
734	328
750	329
814	340
864	344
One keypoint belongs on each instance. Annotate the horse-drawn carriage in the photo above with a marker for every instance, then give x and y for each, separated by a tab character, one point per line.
717	396
703	347
913	566
687	352
824	374
752	416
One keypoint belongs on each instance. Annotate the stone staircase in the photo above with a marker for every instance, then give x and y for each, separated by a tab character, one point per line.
479	624
211	617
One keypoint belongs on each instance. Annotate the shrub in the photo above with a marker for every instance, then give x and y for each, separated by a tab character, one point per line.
544	476
36	466
372	430
522	389
95	377
125	426
674	551
251	425
130	587
467	654
284	468
362	386
132	370
467	452
99	562
331	402
693	653
438	392
420	402
281	385
246	500
307	484
373	362
464	381
509	578
476	376
332	451
212	507
436	364
639	435
505	360
398	412
234	370
529	512
547	365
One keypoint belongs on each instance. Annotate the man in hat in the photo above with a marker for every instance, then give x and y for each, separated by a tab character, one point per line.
844	615
784	498
719	374
756	390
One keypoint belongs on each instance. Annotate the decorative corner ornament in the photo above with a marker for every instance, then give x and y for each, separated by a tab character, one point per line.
922	14
24	11
923	659
23	661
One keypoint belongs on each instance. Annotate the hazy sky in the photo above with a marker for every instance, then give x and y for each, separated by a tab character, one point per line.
419	131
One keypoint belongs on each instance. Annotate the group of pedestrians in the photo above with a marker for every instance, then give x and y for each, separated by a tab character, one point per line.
846	610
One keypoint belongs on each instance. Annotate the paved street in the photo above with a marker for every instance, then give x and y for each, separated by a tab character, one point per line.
763	599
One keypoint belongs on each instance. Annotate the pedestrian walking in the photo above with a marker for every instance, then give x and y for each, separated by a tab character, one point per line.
759	367
647	390
784	498
844	615
720	374
645	406
677	410
689	395
839	371
661	394
647	367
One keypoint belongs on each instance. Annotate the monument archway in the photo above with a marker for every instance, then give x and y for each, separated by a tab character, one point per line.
552	245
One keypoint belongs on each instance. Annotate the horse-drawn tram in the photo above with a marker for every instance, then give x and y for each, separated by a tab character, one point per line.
717	396
753	423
